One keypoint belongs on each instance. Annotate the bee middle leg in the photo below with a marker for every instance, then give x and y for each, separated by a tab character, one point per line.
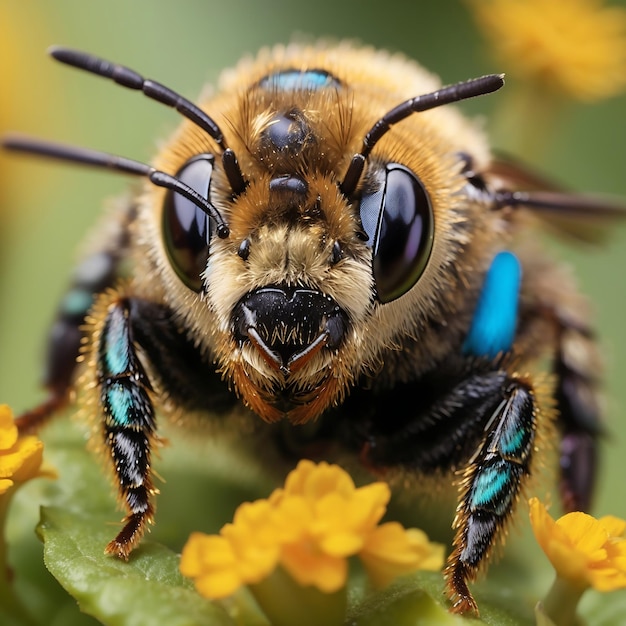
484	428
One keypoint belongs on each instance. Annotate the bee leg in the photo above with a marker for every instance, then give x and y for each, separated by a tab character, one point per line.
95	273
490	486
186	375
576	367
483	424
128	426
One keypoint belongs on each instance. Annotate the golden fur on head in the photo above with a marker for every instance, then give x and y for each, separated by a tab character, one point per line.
291	238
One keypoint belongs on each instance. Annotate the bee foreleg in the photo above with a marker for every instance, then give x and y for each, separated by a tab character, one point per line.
490	486
185	374
128	426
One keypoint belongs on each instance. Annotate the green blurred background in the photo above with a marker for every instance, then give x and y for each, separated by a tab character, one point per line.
45	208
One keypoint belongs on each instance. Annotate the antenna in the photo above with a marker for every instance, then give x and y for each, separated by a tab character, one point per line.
95	158
131	79
446	95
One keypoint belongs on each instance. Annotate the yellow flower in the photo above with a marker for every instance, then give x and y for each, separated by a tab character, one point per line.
391	551
244	553
324	519
308	528
584	551
577	47
20	457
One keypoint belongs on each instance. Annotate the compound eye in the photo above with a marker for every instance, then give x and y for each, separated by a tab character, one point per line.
398	219
187	229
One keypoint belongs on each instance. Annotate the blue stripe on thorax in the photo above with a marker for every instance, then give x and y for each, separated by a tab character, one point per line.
295	80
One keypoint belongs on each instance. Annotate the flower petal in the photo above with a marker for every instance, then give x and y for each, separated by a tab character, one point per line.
8	429
309	566
392	551
583	550
576	47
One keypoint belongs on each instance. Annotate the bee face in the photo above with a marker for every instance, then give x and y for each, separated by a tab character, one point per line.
288	300
323	241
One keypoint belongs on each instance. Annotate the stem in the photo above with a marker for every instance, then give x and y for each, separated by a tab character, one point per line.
9	603
285	602
4	566
561	602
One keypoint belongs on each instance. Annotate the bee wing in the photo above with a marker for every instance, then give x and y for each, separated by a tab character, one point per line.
586	218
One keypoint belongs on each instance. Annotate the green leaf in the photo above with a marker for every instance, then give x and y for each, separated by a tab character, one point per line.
603	609
146	590
406	607
419	600
542	617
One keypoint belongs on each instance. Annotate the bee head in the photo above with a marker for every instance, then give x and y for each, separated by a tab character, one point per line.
320	236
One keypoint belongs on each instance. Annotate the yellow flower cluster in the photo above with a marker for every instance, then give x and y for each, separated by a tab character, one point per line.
309	528
20	457
577	47
585	551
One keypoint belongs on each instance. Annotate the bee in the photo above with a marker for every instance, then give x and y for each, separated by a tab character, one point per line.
327	249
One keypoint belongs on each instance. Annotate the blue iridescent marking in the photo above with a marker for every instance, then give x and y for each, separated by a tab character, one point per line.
513	441
298	80
116	353
120	402
76	301
495	318
490	489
